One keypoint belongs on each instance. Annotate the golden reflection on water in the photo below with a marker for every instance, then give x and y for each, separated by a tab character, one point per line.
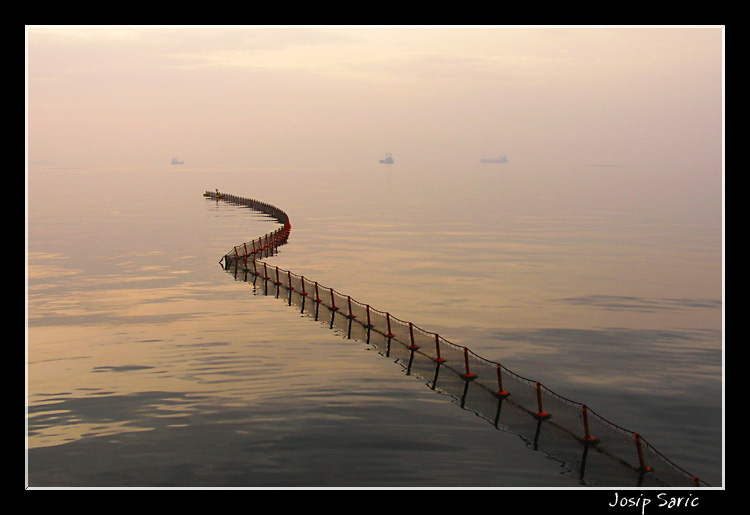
95	335
542	294
101	338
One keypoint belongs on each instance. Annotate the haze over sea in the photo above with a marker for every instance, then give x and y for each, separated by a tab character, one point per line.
139	342
591	262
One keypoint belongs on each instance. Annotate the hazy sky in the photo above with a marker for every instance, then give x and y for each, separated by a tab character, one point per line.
336	96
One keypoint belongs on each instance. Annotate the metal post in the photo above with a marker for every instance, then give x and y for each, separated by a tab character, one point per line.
642	463
413	346
587	437
333	302
439	358
500	390
540	413
467	376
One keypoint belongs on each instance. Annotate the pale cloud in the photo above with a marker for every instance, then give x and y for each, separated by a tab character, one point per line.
285	95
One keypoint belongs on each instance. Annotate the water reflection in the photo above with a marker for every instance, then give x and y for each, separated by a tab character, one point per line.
639	304
592	464
248	380
622	461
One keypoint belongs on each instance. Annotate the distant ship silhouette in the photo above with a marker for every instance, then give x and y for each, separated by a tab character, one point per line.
501	159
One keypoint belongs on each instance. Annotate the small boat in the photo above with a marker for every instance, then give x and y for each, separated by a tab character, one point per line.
388	159
216	195
176	161
501	159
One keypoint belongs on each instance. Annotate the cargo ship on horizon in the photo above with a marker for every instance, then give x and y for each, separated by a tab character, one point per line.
388	159
501	159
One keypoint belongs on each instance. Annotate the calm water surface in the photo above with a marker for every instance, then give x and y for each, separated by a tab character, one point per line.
148	365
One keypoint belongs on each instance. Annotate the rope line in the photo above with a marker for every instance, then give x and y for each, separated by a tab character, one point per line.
584	441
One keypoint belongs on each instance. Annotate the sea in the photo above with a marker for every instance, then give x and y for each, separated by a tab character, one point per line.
149	366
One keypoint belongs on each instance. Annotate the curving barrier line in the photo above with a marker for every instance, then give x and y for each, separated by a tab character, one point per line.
593	449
